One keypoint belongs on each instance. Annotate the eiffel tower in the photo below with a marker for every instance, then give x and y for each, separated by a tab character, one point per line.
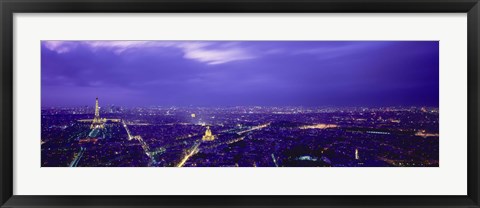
98	123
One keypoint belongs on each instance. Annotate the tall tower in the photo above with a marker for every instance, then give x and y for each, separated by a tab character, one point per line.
97	109
97	121
357	157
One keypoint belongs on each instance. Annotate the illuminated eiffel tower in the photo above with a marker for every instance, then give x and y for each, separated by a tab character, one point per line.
98	123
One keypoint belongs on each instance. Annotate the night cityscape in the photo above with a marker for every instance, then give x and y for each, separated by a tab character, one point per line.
240	104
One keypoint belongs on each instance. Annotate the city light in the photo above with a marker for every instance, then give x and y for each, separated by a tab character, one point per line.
240	137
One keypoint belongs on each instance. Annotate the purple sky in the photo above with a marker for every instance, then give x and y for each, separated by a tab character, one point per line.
238	73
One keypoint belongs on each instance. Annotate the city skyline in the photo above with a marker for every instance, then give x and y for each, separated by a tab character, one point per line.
240	104
240	73
240	137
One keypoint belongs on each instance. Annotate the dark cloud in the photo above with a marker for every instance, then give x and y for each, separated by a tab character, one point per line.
309	73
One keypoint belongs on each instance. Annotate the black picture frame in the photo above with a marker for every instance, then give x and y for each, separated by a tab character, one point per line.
10	7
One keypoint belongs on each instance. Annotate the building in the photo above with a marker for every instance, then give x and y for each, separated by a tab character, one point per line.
208	135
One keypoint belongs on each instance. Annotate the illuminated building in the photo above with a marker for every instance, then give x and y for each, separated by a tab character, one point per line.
193	115
208	135
356	154
424	134
97	123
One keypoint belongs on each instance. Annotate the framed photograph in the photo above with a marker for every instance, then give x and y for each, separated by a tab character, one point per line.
268	103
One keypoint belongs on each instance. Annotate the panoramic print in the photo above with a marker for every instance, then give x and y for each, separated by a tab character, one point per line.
239	103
